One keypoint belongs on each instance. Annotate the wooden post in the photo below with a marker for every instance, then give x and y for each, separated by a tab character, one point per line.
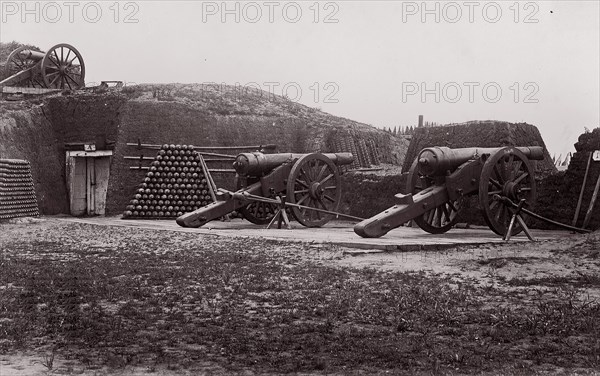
587	170
588	215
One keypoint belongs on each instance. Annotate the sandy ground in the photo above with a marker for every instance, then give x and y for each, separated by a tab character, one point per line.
491	263
487	264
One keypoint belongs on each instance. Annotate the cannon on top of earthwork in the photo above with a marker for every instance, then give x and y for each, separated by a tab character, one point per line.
307	185
61	67
440	177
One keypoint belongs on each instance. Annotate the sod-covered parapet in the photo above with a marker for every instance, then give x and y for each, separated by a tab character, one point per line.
17	192
488	134
177	182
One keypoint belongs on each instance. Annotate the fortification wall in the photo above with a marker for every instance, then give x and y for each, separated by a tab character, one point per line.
480	134
559	193
26	133
43	131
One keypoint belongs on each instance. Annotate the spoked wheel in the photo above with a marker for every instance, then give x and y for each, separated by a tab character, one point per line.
259	213
506	173
17	62
437	220
63	68
315	182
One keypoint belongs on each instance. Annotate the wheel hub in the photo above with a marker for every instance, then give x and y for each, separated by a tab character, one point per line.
511	190
316	190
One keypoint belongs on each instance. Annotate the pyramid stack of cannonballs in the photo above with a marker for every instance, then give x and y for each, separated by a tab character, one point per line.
176	183
17	192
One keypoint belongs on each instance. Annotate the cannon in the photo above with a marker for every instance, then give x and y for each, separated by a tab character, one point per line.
62	67
308	185
439	179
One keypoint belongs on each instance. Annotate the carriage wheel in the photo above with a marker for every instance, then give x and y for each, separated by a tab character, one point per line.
16	62
506	173
259	213
314	181
63	68
437	220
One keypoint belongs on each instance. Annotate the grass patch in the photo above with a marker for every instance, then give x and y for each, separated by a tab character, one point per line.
147	298
576	279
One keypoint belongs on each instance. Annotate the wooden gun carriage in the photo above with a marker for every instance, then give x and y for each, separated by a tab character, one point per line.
61	67
307	184
440	177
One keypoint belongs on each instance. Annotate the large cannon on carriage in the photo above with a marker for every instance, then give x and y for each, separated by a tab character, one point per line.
62	67
307	185
441	177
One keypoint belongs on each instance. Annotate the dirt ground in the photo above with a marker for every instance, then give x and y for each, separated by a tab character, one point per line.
521	273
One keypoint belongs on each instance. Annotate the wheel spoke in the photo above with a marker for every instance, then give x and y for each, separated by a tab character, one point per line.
299	202
499	175
327	197
321	172
53	81
70	78
326	179
517	168
446	213
493	205
69	63
302	183
57	59
439	216
320	201
520	178
452	207
430	216
496	183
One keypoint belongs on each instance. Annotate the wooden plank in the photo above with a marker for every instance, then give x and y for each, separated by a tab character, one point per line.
90	183
77	188
102	166
27	90
587	170
199	148
588	215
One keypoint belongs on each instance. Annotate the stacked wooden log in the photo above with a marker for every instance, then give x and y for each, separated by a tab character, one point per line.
17	192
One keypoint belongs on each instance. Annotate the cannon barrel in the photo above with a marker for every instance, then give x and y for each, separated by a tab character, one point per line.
33	55
61	67
258	163
438	160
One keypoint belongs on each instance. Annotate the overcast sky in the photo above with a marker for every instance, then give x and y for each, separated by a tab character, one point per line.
378	62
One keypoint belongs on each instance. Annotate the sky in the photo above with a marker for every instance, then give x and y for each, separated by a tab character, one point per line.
378	62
